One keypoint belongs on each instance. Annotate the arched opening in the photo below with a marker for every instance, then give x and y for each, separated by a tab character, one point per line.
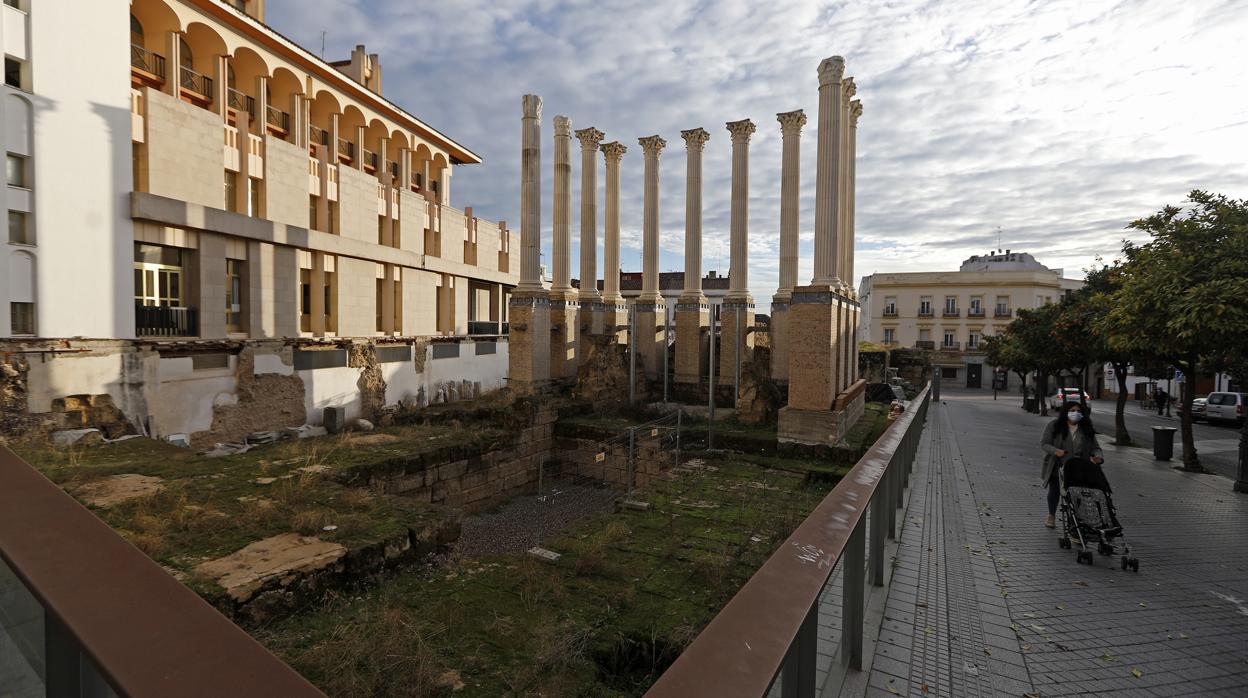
198	50
151	22
421	158
398	141
324	107
349	125
285	91
373	136
437	172
245	70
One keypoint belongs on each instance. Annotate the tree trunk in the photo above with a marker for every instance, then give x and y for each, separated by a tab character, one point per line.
1042	394
1190	460
1121	437
1023	375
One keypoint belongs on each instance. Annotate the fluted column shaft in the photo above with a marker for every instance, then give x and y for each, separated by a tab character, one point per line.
561	233
791	124
695	140
612	152
854	113
826	175
844	238
739	226
590	139
651	146
530	193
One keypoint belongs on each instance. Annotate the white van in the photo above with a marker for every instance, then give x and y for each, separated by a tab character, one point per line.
1226	407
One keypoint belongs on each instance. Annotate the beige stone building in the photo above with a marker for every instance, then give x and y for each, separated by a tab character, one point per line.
951	312
267	203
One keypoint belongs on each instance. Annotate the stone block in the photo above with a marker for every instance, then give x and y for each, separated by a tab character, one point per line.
335	419
692	320
732	314
779	341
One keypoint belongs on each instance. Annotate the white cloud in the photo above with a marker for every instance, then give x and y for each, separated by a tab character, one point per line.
1058	121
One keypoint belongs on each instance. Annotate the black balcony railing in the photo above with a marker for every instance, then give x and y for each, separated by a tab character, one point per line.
197	83
975	312
317	136
346	149
925	312
241	101
925	344
950	312
370	159
1002	312
278	118
165	321
890	312
147	61
950	346
482	327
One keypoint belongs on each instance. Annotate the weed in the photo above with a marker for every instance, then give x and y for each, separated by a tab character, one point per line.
310	521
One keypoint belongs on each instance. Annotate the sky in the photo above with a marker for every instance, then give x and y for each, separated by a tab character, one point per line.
1043	126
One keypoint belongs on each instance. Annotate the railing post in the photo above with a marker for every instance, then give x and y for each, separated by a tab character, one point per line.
895	494
881	507
852	599
797	678
632	440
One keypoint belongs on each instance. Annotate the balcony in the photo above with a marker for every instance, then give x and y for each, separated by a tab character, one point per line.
196	85
151	65
317	136
890	312
370	160
972	346
951	312
925	344
1002	312
277	119
950	346
925	312
975	312
393	167
488	327
346	150
240	102
418	182
165	321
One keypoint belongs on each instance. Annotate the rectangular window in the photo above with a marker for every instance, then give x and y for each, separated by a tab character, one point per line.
13	73
890	305
234	295
925	305
951	304
22	318
1003	305
331	226
949	338
19	228
889	335
208	362
379	286
977	305
305	300
231	191
925	335
15	171
972	340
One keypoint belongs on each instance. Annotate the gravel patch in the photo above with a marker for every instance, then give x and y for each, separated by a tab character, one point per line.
513	528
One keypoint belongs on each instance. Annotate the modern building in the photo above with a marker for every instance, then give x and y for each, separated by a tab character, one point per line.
951	312
237	205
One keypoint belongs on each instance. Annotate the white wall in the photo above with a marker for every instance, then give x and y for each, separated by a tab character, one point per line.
182	400
84	282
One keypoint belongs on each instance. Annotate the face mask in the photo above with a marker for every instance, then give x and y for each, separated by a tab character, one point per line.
1074	417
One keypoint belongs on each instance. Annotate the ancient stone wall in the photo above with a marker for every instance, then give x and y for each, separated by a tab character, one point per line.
265	401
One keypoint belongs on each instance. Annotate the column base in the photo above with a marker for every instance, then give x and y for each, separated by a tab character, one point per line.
780	339
563	336
528	349
588	312
612	319
650	342
692	320
820	427
728	340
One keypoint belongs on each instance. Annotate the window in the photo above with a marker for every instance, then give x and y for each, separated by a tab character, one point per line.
925	305
13	73
136	31
22	318
977	305
331	226
379	286
1003	305
949	338
925	335
312	222
157	275
19	228
890	305
233	295
208	362
253	197
951	305
972	340
889	335
949	373
231	191
15	171
186	58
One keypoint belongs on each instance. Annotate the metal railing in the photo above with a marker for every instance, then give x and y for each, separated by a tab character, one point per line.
147	61
890	312
370	159
975	312
925	312
277	118
954	312
1002	312
950	346
769	632
482	327
925	344
346	149
133	630
241	101
165	321
317	135
195	82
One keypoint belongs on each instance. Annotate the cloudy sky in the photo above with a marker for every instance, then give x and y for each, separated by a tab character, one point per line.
1057	121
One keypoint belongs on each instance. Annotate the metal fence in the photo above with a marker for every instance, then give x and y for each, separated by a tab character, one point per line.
768	633
629	459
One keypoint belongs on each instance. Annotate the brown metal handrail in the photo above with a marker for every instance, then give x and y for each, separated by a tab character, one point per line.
277	118
370	159
769	630
241	101
143	631
346	149
196	82
317	135
147	61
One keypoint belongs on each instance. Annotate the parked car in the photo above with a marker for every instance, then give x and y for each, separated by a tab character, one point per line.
1226	407
1065	395
1198	409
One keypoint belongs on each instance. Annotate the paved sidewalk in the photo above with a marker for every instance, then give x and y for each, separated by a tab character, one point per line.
983	602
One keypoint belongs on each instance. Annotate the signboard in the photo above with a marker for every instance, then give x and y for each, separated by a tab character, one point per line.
600	457
654	432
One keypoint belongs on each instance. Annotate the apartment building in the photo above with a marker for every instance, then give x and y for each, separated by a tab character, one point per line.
950	313
192	197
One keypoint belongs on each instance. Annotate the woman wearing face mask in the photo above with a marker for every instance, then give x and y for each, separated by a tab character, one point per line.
1068	436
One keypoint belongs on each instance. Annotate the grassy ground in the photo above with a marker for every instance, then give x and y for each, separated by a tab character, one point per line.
631	590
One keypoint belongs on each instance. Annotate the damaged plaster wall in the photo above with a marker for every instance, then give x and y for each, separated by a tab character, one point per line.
371	384
263	401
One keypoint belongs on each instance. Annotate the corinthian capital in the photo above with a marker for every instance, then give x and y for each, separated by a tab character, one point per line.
590	138
850	88
532	105
695	138
791	122
563	126
855	111
741	130
613	151
652	145
831	70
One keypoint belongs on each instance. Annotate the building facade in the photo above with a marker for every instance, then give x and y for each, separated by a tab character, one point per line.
950	313
238	205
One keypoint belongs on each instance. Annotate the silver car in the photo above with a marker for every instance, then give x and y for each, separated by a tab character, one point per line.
1226	407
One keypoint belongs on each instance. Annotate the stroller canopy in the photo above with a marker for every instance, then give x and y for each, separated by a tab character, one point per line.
1080	472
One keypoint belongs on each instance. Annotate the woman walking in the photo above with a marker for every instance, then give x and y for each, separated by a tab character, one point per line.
1069	436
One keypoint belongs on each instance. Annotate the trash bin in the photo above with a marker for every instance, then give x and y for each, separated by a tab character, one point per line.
1163	442
1029	404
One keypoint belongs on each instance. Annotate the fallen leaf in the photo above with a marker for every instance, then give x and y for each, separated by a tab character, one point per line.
892	690
1143	605
1183	636
1080	584
924	687
1109	657
1136	672
987	652
1060	607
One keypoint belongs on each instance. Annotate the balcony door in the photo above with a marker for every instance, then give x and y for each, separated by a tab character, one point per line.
158	276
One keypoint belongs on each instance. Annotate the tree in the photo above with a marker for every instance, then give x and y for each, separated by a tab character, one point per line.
1182	294
1081	315
1003	351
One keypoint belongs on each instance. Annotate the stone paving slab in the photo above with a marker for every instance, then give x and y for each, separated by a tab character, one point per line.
983	602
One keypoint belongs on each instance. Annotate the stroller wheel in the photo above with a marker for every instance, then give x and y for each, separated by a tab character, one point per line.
1135	564
1105	549
1126	562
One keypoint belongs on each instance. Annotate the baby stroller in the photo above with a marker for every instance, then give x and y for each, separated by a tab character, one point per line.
1088	515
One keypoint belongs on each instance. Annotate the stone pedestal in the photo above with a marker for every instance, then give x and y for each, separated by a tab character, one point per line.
563	336
728	342
780	339
649	343
692	319
814	320
611	318
528	351
587	320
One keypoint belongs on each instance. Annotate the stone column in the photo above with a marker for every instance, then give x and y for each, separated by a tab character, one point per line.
844	239
650	313
529	336
826	174
855	112
738	307
791	124
563	306
692	309
589	320
614	309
